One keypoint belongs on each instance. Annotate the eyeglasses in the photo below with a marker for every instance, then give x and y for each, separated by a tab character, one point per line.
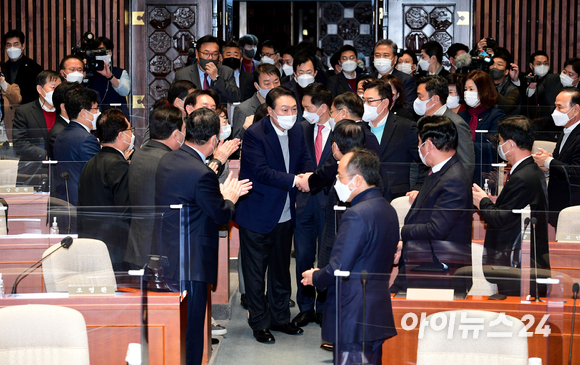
271	55
132	129
96	108
208	55
333	112
368	101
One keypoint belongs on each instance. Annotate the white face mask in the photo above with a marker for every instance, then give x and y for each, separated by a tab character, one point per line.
566	80
343	190
312	118
471	98
288	70
285	121
406	68
304	80
560	119
267	60
182	141
500	151
421	155
541	71
14	52
423	64
107	59
48	97
132	143
94	121
332	122
420	106
75	77
226	131
383	65
348	66
371	112
263	92
453	101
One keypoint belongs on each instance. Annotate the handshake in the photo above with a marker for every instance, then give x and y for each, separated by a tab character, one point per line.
302	182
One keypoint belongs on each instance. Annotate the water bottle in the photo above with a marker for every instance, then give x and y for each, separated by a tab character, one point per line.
54	228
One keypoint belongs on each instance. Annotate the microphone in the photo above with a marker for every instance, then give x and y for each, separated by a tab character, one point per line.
65	243
66	177
575	289
364	277
463	60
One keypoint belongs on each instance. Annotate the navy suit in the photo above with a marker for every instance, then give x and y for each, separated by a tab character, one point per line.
366	240
309	223
408	84
265	239
183	178
225	85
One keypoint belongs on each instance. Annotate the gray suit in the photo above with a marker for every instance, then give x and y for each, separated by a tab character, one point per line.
225	85
465	150
242	111
142	196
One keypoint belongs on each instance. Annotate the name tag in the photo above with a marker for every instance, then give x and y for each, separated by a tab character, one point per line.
16	190
91	290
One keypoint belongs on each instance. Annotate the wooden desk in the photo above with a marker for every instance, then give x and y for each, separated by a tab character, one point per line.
27	213
402	349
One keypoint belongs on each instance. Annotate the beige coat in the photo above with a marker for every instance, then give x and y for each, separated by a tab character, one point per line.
11	100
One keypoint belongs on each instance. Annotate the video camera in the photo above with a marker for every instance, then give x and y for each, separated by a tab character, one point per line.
86	53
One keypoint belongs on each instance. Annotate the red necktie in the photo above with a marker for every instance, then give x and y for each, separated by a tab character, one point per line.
318	144
205	83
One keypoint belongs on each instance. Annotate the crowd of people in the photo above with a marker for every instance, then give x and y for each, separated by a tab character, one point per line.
309	137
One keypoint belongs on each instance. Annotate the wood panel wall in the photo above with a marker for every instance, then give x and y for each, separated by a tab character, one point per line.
524	26
53	27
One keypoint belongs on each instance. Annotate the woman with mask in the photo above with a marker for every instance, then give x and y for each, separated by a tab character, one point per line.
399	97
482	115
455	101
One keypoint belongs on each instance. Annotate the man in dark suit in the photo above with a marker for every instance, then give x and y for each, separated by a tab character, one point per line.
31	124
397	139
526	185
75	145
104	205
431	60
316	102
366	241
564	164
274	154
304	66
345	80
182	177
385	60
20	69
266	77
442	210
167	134
62	118
232	57
205	72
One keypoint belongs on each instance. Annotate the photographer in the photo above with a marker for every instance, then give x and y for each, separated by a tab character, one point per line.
505	77
111	83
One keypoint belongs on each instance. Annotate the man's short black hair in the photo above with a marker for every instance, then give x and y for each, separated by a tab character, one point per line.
383	88
348	135
538	53
79	99
68	57
574	92
574	62
333	59
456	47
503	54
440	130
433	48
265	69
271	44
248	39
519	129
163	121
347	48
46	76
201	125
365	163
303	57
292	50
179	89
351	102
410	54
191	99
13	33
319	94
206	39
276	93
107	43
110	123
232	44
61	91
435	85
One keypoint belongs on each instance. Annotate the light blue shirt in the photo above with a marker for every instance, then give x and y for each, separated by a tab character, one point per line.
378	131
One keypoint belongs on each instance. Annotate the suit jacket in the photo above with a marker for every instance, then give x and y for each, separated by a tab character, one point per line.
73	147
247	89
443	209
104	205
546	93
338	84
242	111
564	186
11	98
30	133
508	99
225	85
366	240
25	78
292	85
183	178
526	185
142	172
262	162
465	149
398	149
59	125
408	84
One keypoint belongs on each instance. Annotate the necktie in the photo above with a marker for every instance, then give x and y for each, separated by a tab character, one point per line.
318	144
205	83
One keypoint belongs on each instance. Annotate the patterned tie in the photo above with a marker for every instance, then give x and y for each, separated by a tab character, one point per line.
318	144
205	83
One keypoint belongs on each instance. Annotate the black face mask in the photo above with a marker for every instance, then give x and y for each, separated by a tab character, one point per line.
250	53
495	73
231	62
203	62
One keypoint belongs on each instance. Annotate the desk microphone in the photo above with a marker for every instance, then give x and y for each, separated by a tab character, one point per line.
534	221
364	277
65	243
66	177
575	289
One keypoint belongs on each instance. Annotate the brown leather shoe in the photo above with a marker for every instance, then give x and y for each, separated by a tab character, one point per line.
327	347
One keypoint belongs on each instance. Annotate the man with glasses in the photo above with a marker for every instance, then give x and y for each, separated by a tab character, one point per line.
104	206
345	80
270	54
206	73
